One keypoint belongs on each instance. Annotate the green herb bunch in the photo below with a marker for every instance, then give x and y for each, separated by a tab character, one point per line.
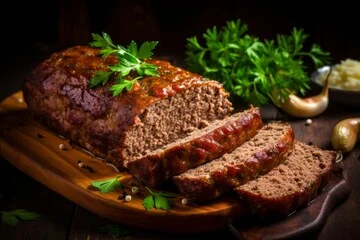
129	59
12	218
257	71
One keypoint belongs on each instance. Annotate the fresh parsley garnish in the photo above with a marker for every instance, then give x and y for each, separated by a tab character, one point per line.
127	84
129	59
12	218
257	71
108	185
115	230
158	200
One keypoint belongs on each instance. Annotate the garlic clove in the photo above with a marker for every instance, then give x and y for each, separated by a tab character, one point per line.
307	107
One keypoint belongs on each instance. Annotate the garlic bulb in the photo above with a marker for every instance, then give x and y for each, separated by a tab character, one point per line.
345	134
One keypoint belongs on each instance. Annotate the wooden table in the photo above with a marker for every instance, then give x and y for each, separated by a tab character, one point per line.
63	219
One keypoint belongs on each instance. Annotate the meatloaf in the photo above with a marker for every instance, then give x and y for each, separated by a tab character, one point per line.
292	184
269	147
203	145
155	112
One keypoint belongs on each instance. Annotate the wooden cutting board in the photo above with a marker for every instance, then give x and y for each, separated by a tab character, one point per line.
36	151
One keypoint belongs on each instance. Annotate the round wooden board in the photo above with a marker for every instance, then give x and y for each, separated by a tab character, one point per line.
34	149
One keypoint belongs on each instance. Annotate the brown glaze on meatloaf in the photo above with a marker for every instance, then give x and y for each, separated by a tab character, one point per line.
204	145
267	149
292	184
156	111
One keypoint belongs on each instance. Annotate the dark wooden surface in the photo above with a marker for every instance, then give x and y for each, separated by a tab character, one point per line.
62	219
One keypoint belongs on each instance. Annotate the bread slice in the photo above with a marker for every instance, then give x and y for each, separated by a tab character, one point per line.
255	157
201	146
292	184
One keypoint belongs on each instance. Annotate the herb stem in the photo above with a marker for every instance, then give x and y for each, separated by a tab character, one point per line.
150	190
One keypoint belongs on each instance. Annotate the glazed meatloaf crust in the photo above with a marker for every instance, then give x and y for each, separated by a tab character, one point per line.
155	112
292	184
269	147
203	145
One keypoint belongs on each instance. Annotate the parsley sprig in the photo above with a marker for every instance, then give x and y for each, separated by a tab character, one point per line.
115	230
108	185
158	200
257	71
129	59
12	218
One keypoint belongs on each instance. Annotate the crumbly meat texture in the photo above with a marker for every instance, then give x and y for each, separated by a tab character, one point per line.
155	112
292	184
267	149
201	146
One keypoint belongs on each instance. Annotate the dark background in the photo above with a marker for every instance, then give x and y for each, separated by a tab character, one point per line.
64	22
32	30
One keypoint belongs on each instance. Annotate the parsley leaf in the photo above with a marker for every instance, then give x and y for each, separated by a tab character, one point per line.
115	230
132	49
103	41
129	59
161	202
12	218
149	202
257	71
146	48
117	88
108	185
158	200
101	77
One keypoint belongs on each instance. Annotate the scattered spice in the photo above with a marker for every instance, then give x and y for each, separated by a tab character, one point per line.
90	169
135	189
122	196
308	122
62	146
39	136
128	198
81	164
184	201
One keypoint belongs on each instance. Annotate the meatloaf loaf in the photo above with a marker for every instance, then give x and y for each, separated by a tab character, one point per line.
269	147
155	112
203	145
290	185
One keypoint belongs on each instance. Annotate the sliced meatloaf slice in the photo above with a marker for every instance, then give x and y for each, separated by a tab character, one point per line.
292	184
269	147
204	145
155	112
